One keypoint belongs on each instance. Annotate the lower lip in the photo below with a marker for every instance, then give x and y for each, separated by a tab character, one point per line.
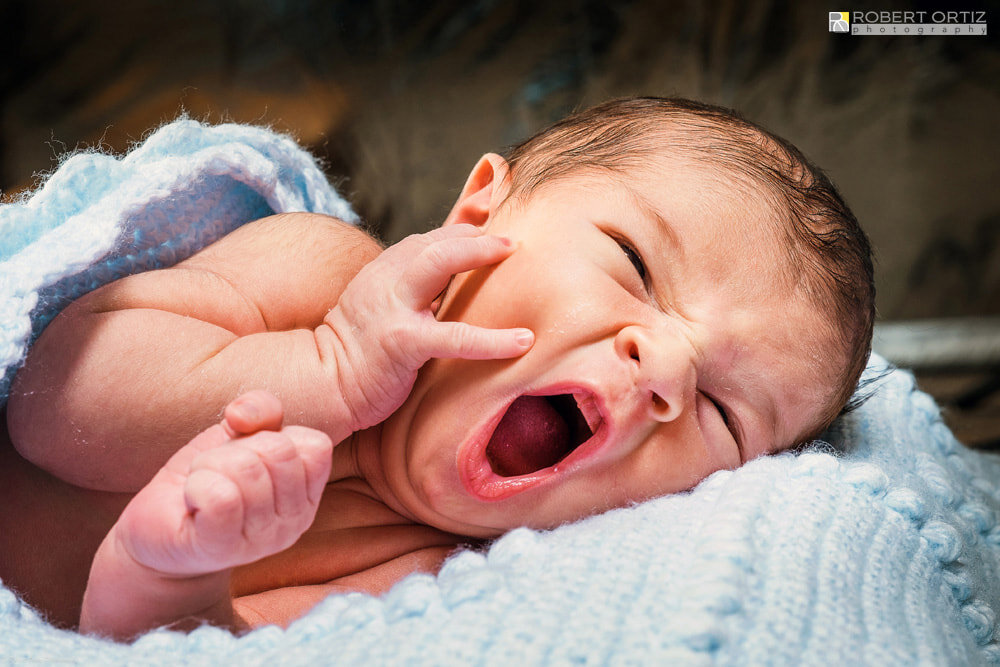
480	480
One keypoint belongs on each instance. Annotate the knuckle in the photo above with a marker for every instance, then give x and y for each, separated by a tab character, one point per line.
397	338
225	496
272	447
435	257
309	441
215	491
238	463
467	341
400	343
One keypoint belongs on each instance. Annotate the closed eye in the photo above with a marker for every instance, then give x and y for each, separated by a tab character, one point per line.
722	412
633	257
729	425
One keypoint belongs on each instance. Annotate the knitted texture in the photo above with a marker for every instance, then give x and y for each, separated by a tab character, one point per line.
98	218
882	548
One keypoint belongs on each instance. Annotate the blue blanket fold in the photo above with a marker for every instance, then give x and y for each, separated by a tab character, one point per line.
98	218
881	548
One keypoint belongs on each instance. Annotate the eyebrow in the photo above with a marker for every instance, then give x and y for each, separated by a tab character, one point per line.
649	211
752	403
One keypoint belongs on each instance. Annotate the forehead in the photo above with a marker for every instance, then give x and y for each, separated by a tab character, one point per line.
729	220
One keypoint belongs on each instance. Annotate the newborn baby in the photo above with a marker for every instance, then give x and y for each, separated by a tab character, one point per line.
645	293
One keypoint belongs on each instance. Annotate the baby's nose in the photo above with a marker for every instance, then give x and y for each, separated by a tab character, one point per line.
663	369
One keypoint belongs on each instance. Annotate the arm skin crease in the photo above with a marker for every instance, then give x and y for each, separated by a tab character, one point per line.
130	372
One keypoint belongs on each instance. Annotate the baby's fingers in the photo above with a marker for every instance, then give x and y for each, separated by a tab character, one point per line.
253	411
215	504
287	476
434	266
463	341
316	451
246	469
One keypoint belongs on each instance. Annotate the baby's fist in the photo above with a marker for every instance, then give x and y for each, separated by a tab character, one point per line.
232	495
255	496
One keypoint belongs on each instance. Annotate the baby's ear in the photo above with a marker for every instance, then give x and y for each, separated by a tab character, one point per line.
485	189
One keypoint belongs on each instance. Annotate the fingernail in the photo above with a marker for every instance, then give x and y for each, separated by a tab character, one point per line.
524	337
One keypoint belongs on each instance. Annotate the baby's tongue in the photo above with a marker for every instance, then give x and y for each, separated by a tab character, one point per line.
531	436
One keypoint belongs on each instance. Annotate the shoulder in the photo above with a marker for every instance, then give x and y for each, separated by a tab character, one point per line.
292	266
296	234
289	249
280	272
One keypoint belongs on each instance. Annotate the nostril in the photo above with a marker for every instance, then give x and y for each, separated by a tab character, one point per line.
633	351
660	406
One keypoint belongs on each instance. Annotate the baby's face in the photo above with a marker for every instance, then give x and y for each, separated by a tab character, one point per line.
668	346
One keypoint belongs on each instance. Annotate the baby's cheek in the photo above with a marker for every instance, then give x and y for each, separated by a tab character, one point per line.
459	297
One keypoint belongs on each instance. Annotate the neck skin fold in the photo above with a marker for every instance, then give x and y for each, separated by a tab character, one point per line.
358	458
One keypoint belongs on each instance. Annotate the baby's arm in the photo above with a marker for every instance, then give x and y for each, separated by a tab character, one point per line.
239	491
129	373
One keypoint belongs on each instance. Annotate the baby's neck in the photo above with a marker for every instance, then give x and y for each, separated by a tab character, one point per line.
346	463
357	463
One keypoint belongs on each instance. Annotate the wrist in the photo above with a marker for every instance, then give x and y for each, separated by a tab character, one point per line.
337	343
125	598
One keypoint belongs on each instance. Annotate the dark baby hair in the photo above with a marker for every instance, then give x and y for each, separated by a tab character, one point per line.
828	251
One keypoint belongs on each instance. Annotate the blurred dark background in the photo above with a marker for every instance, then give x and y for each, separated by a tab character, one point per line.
399	98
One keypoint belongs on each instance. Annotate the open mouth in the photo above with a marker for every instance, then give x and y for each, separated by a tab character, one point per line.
537	432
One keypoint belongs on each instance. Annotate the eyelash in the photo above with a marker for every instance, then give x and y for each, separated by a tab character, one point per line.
633	256
725	420
722	411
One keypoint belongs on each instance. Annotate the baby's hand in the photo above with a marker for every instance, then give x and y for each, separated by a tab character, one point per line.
238	492
385	329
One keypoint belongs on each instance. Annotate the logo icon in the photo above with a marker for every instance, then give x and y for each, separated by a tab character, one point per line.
839	22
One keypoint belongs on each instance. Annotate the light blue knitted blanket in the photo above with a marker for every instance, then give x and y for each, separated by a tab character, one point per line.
883	549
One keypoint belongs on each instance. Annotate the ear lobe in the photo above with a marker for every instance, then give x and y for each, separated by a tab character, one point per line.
485	188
